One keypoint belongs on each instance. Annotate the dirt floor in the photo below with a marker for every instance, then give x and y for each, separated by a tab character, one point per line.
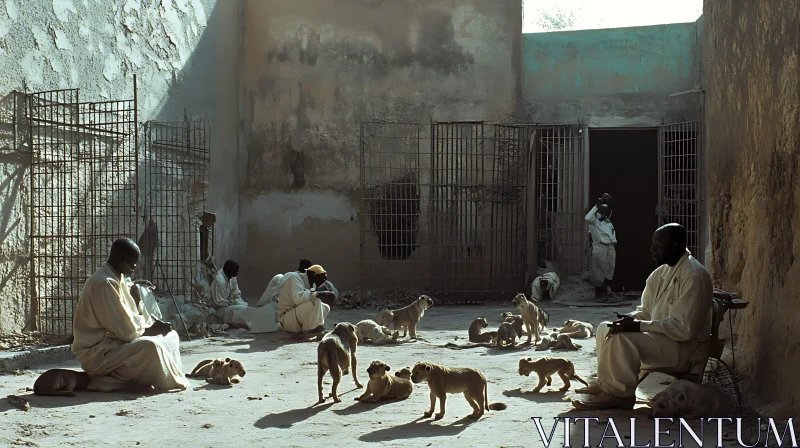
275	403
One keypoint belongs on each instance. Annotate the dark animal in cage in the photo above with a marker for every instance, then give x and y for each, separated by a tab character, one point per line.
394	210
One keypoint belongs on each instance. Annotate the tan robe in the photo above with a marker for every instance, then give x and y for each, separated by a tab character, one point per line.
604	255
108	328
299	309
675	312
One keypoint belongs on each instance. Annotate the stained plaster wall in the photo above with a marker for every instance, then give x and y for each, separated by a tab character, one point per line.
312	70
612	77
752	75
185	55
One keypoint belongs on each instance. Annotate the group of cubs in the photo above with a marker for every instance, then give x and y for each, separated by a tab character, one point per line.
336	353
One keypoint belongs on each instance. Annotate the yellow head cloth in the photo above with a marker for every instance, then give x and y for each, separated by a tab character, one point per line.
317	269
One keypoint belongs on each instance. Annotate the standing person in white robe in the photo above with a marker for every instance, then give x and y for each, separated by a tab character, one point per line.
301	310
604	238
227	297
671	328
116	340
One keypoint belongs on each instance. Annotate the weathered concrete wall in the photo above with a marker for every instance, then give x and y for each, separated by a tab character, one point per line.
612	77
184	53
313	70
752	72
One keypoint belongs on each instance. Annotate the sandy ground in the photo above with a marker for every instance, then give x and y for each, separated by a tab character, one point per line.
275	403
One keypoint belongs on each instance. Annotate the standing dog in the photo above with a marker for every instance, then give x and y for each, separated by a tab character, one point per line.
407	317
337	352
530	315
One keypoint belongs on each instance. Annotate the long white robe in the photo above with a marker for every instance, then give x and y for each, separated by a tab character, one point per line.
108	328
604	254
299	309
676	313
227	298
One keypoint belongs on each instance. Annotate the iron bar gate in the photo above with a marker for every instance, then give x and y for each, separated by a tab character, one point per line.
177	156
679	188
443	209
84	192
560	196
395	202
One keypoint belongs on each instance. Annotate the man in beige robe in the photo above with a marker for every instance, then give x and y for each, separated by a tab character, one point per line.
671	327
301	310
227	297
118	343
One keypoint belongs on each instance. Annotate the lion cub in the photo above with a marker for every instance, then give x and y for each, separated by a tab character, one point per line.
405	372
577	329
506	334
208	368
690	400
546	367
337	352
561	342
476	331
60	382
226	372
453	380
530	316
407	317
382	386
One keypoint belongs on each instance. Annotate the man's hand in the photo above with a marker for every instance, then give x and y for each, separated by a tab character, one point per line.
135	289
624	324
327	297
158	328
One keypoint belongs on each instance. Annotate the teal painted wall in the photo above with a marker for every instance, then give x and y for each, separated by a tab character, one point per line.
615	75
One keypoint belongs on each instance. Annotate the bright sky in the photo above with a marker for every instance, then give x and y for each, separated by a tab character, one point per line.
595	14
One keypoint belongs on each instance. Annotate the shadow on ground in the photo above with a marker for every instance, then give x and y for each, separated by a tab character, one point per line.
420	427
287	419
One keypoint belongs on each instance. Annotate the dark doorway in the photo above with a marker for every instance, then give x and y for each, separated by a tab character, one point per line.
624	164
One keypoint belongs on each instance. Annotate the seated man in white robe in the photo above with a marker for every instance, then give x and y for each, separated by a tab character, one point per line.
301	310
118	343
670	329
227	298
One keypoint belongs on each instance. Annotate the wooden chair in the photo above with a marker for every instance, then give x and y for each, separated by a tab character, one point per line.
722	302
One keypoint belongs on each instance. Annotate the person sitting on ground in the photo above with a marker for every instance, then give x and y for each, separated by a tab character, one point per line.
227	298
273	288
666	330
118	343
604	238
301	311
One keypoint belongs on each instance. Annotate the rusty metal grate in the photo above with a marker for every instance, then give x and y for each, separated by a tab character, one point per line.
560	194
395	197
177	158
679	179
443	209
84	193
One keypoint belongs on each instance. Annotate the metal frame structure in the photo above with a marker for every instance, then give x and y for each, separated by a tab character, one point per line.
560	196
177	159
443	209
84	194
680	181
395	179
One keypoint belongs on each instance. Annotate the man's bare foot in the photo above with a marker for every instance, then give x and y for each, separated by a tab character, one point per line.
592	389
